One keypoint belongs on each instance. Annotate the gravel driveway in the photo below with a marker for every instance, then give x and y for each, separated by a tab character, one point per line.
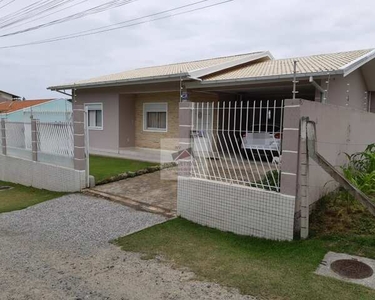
59	250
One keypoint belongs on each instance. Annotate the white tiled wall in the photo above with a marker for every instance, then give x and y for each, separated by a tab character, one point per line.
41	175
238	209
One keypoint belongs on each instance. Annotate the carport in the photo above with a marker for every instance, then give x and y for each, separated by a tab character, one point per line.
222	131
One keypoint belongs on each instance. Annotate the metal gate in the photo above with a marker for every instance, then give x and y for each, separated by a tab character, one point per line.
238	142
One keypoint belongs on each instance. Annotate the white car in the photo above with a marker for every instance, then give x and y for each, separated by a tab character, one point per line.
261	141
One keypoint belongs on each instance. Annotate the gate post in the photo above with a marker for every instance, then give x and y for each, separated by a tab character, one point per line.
34	139
185	127
304	180
290	154
3	137
79	137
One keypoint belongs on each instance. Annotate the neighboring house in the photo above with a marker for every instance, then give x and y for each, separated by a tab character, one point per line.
139	108
5	96
45	110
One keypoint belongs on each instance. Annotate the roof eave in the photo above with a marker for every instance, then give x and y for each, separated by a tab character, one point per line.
113	83
251	80
224	66
10	94
357	63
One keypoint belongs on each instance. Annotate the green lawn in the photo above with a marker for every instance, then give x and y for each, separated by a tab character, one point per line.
105	167
21	197
270	269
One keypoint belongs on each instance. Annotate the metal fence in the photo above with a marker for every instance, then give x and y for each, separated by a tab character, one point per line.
54	141
56	138
48	115
18	139
238	142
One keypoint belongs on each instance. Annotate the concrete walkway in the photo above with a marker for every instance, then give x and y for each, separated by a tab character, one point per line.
153	192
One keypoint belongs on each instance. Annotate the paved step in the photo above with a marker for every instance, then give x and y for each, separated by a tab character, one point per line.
138	205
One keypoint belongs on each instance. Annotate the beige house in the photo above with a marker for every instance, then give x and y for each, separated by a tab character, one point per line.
221	108
140	108
5	96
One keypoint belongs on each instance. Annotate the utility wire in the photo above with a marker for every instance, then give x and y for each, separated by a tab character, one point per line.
111	29
30	10
100	29
42	17
7	4
94	10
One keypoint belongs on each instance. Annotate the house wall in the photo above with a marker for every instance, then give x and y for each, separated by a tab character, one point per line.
340	88
151	139
165	140
5	97
372	102
123	116
108	138
350	131
56	109
339	130
127	121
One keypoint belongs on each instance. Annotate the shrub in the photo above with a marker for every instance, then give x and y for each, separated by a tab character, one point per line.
360	170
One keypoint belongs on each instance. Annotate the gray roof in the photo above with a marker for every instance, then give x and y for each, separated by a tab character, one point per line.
193	69
308	65
243	67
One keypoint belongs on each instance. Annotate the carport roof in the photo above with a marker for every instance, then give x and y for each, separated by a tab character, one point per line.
193	69
315	65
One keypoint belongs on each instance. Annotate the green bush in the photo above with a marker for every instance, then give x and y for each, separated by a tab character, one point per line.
360	170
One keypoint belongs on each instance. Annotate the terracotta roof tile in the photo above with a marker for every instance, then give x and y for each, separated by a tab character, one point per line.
11	106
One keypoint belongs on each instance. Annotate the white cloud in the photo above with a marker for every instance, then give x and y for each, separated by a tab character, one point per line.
286	28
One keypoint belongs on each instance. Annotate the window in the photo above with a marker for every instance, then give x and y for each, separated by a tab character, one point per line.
155	117
95	116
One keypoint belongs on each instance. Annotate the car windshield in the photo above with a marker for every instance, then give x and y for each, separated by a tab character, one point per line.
264	128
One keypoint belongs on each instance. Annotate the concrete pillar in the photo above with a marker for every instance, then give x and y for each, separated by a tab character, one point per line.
3	137
34	139
303	181
290	147
185	143
79	137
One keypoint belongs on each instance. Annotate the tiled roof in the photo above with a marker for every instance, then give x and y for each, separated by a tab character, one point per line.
280	67
167	70
11	106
